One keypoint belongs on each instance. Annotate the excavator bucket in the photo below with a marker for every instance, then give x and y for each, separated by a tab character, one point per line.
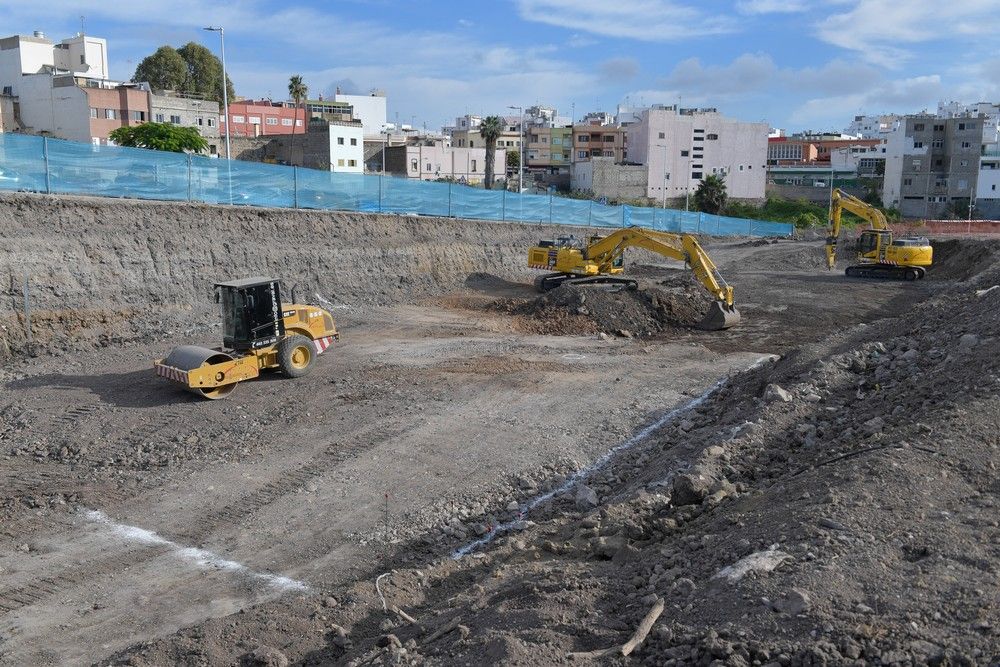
720	316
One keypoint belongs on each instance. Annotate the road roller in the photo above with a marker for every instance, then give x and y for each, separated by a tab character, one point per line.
259	333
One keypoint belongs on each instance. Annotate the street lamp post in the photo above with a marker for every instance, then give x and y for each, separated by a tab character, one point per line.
520	152
225	80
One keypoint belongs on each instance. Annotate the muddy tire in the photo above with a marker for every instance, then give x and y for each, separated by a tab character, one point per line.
296	355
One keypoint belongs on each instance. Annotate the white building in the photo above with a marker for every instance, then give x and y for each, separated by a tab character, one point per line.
347	148
681	147
22	55
873	127
430	160
989	110
369	109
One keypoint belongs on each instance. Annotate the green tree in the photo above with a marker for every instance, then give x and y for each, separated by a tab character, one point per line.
710	196
297	90
194	70
490	130
160	137
513	159
164	70
204	72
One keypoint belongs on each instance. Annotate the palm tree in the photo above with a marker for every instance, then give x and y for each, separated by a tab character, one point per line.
710	196
297	90
490	130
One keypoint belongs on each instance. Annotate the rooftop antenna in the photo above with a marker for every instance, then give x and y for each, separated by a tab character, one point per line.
83	25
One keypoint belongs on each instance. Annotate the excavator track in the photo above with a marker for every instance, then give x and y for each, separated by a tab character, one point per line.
885	272
551	281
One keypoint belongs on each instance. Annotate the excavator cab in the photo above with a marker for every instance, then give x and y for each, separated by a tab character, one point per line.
871	244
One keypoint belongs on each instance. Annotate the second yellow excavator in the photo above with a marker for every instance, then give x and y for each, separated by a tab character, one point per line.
879	253
600	259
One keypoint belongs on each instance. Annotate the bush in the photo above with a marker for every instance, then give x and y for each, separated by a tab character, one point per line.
807	220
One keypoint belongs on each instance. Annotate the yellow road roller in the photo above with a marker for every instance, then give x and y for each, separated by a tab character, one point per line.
259	333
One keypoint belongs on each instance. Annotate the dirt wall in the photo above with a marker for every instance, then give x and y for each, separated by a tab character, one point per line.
102	271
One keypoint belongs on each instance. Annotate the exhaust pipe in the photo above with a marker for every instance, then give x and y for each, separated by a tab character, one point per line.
720	316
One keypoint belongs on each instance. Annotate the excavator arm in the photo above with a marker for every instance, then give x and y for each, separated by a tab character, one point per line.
683	247
839	202
607	252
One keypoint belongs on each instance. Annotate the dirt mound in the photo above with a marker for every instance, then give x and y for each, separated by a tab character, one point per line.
797	256
615	310
960	259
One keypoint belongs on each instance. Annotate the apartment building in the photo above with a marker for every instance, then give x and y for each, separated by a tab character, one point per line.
680	147
370	109
465	133
873	127
167	106
255	118
932	163
549	148
594	140
433	159
816	149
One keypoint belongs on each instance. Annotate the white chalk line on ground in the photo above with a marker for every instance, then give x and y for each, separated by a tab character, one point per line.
584	473
199	557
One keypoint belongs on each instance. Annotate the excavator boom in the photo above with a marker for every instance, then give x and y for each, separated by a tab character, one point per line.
600	261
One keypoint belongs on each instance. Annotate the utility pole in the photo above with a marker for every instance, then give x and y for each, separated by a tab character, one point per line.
520	152
225	80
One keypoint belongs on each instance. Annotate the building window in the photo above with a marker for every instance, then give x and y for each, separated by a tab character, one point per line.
695	175
270	120
354	142
340	162
918	144
139	116
340	141
662	135
712	137
916	164
427	167
255	120
473	165
287	122
937	143
581	154
83	60
584	138
199	120
211	122
239	119
907	181
472	144
609	153
961	126
741	167
352	163
699	131
93	112
212	149
557	141
176	120
939	128
158	118
685	153
966	144
919	127
111	114
963	184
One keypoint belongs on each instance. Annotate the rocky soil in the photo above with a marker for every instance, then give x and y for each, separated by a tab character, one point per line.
834	506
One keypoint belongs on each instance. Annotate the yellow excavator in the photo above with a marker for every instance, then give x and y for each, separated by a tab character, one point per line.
259	333
600	260
879	253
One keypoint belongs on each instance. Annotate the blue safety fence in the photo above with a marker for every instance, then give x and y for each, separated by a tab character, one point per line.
40	164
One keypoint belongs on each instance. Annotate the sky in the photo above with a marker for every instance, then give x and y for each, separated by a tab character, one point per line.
796	64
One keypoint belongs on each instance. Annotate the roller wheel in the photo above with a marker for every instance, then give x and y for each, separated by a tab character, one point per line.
296	355
911	274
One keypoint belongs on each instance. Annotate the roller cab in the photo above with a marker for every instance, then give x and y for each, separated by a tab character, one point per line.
259	333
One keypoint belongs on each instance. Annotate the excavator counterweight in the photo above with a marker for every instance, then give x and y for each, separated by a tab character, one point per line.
600	260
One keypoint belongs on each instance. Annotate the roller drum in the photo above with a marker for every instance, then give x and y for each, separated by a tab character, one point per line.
190	357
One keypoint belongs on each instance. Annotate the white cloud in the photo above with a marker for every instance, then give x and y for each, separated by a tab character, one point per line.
647	20
771	6
747	73
908	95
879	29
618	70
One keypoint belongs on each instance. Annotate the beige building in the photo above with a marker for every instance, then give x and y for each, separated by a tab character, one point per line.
431	160
594	140
465	133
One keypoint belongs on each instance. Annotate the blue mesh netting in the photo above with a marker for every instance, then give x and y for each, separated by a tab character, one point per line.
35	164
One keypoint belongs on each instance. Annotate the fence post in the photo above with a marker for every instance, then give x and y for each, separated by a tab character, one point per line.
189	176
550	208
590	213
27	310
449	199
749	227
48	181
701	216
503	206
380	193
295	186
